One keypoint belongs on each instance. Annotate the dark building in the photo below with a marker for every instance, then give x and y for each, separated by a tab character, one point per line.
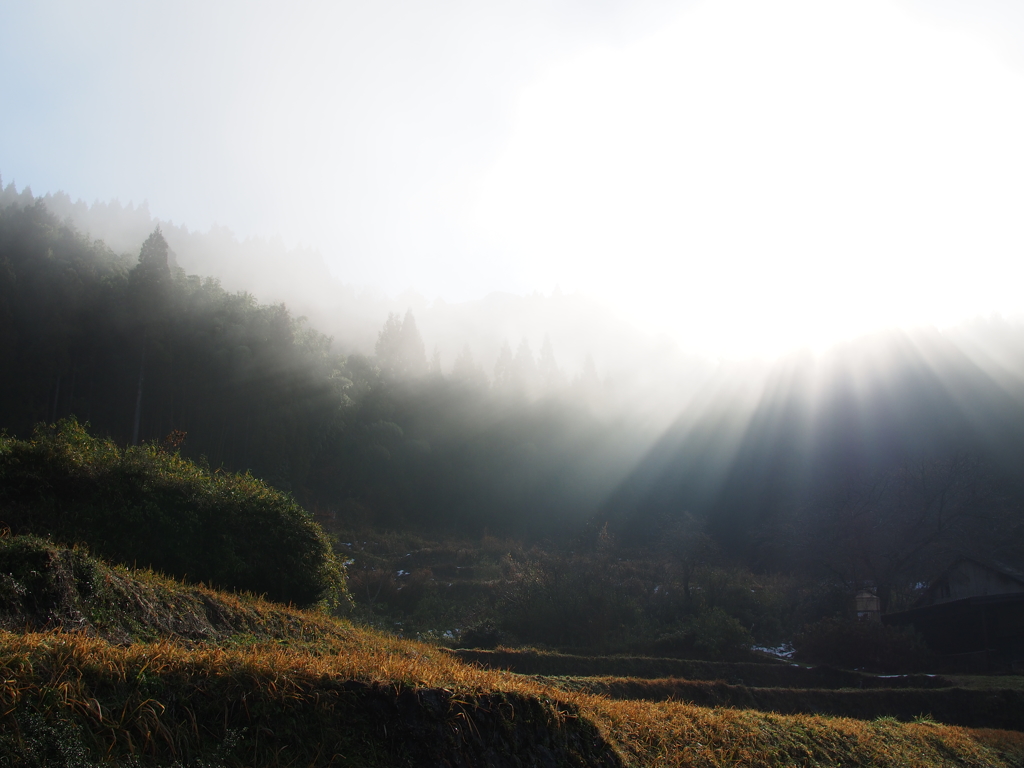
972	615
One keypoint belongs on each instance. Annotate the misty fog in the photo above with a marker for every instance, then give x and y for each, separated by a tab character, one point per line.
648	374
699	311
595	418
737	176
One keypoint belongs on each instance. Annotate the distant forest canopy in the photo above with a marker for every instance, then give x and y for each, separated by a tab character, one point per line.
874	462
578	330
136	348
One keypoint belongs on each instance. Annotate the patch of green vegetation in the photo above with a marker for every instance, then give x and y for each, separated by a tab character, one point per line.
37	743
712	634
150	507
989	682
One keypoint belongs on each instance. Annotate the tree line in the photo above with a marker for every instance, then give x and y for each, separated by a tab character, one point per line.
880	485
137	349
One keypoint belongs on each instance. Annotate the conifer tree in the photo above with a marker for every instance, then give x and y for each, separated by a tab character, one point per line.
550	374
504	368
400	349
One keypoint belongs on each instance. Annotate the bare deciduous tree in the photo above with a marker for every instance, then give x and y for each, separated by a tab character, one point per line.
896	528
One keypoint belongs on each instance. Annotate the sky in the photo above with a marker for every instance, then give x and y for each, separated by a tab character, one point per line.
742	176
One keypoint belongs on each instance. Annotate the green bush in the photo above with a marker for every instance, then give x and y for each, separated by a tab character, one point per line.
718	635
570	602
149	507
711	635
862	645
484	634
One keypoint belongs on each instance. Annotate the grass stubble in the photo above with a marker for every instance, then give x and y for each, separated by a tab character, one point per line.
160	700
165	673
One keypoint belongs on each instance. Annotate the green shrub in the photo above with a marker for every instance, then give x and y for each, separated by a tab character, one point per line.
711	635
149	507
484	634
862	645
718	635
36	743
570	602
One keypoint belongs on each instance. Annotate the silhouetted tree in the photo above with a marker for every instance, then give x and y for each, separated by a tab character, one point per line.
400	347
465	369
900	526
504	369
550	374
149	285
524	368
435	363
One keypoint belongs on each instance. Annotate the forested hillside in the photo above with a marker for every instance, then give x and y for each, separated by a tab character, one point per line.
137	349
571	328
875	462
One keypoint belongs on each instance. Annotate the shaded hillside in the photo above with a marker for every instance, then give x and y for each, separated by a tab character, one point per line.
767	452
766	673
772	687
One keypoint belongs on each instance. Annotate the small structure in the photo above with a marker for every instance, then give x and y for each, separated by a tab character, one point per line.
973	615
868	606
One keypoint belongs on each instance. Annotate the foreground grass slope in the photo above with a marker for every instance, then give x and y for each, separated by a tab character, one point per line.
398	703
197	677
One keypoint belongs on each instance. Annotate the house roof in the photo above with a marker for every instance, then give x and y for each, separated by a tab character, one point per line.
1000	569
992	565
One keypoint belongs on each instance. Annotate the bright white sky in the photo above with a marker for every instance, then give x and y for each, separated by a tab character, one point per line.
744	175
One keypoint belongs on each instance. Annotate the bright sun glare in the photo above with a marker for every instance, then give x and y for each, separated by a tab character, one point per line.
762	175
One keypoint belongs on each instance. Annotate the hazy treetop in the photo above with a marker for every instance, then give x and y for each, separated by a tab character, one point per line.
663	157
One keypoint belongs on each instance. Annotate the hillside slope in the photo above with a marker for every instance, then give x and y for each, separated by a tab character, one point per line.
196	677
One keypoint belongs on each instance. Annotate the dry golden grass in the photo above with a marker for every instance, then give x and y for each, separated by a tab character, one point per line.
164	700
675	734
122	695
256	683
